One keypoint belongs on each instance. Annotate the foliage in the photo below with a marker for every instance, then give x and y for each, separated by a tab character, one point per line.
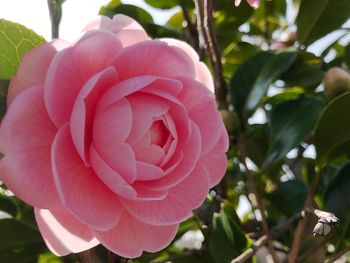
280	115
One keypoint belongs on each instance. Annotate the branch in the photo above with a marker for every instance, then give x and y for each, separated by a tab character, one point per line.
89	256
293	254
275	233
55	9
191	27
254	190
204	12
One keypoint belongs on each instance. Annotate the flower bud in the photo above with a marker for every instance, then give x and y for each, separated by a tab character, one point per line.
336	81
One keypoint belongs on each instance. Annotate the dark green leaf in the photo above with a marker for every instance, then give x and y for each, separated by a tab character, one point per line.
289	123
139	14
227	240
15	41
317	18
333	129
9	205
289	197
337	196
243	79
269	73
17	233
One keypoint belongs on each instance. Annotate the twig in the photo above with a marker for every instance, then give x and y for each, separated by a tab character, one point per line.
293	255
191	27
111	257
312	250
55	9
254	190
204	12
338	255
276	232
89	256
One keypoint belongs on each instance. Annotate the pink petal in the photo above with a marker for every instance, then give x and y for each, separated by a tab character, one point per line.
110	177
63	233
81	120
125	28
215	161
146	171
179	203
111	127
202	72
132	85
201	106
153	58
72	67
81	191
145	108
188	154
254	3
33	67
131	237
26	134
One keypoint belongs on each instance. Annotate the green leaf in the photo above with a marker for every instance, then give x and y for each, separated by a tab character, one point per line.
269	73
3	96
9	205
227	240
242	81
289	123
49	258
317	18
15	41
289	197
337	196
139	14
17	233
333	129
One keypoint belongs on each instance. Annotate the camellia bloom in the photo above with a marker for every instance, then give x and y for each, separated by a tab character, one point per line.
252	3
113	139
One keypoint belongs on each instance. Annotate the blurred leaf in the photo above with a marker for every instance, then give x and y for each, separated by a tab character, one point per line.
139	14
9	205
158	31
227	240
257	142
3	95
325	17
15	41
270	72
49	258
17	233
306	71
289	123
289	197
243	80
286	95
176	21
170	3
337	196
347	55
332	129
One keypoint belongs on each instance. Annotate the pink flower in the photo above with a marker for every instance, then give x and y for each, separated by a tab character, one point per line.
114	139
252	3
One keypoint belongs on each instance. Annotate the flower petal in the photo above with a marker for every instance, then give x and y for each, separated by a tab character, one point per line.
179	203
63	233
80	189
26	135
131	237
154	58
215	161
72	67
111	127
125	28
33	67
202	72
81	120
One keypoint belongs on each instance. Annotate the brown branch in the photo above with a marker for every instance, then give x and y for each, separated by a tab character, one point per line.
338	255
55	10
293	254
204	12
275	233
191	27
89	256
254	190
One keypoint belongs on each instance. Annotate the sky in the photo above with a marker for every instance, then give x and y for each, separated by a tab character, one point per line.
76	14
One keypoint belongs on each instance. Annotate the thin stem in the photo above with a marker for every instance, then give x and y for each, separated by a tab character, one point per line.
204	12
191	27
293	254
55	10
275	233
